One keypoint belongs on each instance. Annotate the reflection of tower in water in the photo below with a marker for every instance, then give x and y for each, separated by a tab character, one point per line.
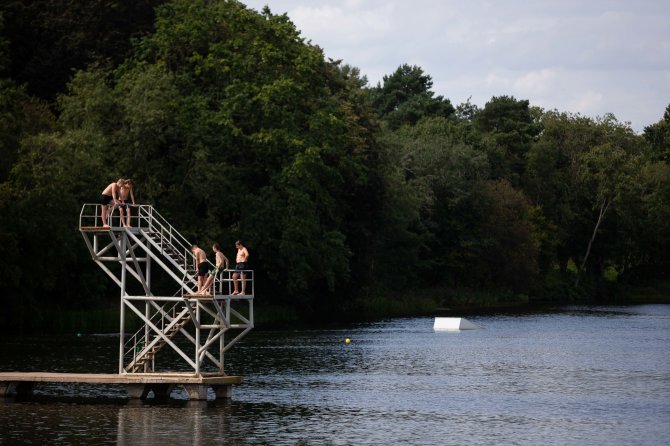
141	424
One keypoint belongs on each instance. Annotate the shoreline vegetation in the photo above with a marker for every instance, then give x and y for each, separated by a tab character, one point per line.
430	302
355	201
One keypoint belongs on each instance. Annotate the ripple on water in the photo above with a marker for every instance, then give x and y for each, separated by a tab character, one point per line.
586	375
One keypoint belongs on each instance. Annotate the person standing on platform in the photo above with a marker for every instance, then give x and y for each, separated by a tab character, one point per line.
125	192
240	266
221	264
200	265
109	195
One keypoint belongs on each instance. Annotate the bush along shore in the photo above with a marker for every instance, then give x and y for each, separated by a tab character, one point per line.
428	302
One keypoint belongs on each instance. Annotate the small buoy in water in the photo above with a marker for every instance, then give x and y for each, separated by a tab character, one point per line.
347	341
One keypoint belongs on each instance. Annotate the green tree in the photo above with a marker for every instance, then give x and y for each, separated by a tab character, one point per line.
551	179
658	136
579	172
49	38
642	239
431	175
466	111
236	128
509	129
405	97
509	258
607	172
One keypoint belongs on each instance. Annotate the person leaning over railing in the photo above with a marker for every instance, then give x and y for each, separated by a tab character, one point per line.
109	195
240	266
126	192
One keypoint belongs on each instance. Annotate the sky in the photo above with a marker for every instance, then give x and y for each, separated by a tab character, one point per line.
590	57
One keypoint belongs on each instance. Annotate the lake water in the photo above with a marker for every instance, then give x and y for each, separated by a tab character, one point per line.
573	376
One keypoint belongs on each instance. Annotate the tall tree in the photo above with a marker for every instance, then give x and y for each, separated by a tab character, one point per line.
579	172
658	136
405	97
236	128
431	176
509	128
606	171
509	256
551	180
48	39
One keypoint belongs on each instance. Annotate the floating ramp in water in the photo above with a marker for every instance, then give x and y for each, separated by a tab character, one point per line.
453	323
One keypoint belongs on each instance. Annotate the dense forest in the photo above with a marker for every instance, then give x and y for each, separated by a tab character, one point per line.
351	197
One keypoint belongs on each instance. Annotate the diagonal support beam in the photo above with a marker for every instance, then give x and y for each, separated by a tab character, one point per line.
161	334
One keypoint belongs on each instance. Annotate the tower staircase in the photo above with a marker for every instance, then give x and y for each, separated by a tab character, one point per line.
198	328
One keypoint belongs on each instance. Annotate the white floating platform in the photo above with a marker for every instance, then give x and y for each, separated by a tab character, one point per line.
454	323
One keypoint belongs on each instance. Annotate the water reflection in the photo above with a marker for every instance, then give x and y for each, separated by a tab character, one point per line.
138	424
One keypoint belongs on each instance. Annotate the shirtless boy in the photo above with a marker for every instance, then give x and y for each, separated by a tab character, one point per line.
125	192
200	265
241	264
109	195
221	264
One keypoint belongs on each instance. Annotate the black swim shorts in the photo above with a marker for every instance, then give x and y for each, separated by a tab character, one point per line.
241	266
105	199
202	269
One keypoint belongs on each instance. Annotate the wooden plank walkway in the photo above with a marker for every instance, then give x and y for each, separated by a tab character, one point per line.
138	385
113	378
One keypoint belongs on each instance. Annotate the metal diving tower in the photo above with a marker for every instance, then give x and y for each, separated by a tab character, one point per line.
153	265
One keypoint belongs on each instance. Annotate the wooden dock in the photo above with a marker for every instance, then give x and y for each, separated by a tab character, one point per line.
138	385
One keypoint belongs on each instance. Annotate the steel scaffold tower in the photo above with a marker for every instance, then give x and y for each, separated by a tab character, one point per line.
197	330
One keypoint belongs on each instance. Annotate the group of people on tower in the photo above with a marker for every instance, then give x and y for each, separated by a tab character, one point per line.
120	194
206	277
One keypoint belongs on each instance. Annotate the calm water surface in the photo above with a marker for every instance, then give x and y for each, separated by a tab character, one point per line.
579	375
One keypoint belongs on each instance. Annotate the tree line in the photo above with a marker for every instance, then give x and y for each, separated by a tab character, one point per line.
235	127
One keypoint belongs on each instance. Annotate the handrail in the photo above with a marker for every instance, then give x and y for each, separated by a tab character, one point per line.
147	218
173	236
220	281
169	234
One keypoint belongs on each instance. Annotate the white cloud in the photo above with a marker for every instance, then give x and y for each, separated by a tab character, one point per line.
590	57
589	102
535	81
343	26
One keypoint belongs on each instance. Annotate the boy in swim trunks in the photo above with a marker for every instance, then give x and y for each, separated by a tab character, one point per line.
221	264
125	192
109	195
240	266
200	265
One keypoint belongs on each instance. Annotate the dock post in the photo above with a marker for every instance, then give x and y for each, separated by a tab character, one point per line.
196	391
20	388
223	391
162	391
137	391
141	391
